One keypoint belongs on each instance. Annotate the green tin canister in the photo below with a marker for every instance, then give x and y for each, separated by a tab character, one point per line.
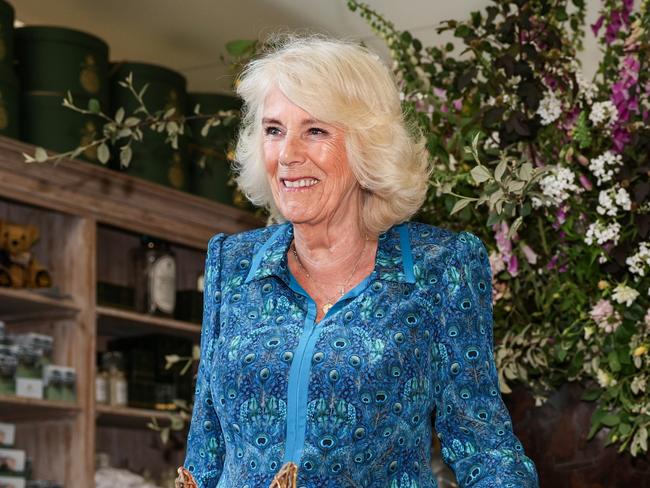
9	102
57	59
6	34
210	166
51	61
153	159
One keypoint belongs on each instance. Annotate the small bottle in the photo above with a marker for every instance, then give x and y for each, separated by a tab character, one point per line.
101	385
117	385
155	277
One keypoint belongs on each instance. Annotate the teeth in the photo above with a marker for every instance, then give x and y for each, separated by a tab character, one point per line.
300	183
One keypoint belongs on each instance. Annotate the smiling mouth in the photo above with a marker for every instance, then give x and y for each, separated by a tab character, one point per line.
297	184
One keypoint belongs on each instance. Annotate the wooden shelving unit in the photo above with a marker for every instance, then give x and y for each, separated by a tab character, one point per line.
129	417
88	216
114	321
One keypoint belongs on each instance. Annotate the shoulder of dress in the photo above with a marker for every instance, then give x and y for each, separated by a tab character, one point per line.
241	241
423	236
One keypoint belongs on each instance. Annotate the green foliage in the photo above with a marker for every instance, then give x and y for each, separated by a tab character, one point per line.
514	133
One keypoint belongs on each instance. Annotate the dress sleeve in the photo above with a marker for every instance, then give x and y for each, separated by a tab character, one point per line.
205	450
472	421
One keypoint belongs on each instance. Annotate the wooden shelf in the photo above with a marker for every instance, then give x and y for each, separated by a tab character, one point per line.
21	409
124	323
116	198
129	417
88	218
29	304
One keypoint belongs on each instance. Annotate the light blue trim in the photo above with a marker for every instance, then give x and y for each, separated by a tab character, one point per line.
299	372
407	256
260	254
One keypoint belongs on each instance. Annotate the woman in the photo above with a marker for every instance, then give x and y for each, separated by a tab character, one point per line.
331	338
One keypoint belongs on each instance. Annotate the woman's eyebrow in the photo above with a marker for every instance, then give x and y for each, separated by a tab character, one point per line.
270	120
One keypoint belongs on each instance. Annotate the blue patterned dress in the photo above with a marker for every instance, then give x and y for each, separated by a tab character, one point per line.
353	399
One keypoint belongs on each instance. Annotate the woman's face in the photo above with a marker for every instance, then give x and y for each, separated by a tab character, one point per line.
306	163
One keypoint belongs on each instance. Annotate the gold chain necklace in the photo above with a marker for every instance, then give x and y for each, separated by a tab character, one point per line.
330	302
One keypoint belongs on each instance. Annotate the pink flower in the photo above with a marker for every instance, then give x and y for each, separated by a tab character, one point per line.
440	93
584	181
595	27
552	263
601	311
529	254
604	315
513	265
458	104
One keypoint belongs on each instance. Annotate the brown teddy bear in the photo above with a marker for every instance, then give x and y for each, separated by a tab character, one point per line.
18	267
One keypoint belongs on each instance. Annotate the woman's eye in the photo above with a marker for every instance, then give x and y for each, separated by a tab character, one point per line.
317	131
271	131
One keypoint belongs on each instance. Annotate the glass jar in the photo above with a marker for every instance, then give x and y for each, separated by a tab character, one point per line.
113	364
155	277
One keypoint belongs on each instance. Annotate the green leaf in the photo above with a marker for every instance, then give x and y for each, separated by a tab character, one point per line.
125	156
459	205
480	174
610	420
581	132
94	106
40	155
614	363
591	395
119	115
501	168
103	154
463	31
240	47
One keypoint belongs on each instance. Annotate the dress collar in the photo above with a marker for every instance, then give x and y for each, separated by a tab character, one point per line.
394	261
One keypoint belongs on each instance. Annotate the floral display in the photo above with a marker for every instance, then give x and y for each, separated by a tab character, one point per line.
557	167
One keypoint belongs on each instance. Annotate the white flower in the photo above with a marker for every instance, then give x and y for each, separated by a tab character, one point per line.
605	379
603	233
493	141
585	87
603	112
558	185
623	199
606	203
550	108
639	261
589	331
624	294
608	199
602	166
638	384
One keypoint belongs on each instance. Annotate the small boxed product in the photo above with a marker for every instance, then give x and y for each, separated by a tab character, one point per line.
7	434
12	481
12	461
34	352
8	366
59	383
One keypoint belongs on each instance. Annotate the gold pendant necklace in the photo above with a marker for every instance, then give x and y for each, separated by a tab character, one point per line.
330	303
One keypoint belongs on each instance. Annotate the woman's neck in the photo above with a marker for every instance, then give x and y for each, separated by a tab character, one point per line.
328	250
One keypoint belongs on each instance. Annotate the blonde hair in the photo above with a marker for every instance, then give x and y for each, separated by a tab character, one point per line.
344	84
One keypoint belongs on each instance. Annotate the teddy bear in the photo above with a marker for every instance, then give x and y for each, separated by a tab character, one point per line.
18	266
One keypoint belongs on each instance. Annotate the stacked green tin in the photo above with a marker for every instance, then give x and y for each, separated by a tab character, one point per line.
210	165
9	91
152	158
52	61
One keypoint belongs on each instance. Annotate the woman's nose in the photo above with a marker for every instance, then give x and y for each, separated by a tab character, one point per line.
292	150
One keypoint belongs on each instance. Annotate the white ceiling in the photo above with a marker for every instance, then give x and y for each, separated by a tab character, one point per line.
189	35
